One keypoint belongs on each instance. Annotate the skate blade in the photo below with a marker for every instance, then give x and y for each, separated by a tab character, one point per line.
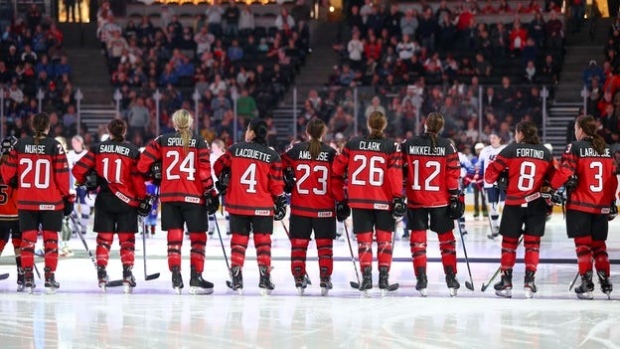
50	290
103	287
529	293
29	290
177	290
608	294
365	294
585	295
300	291
324	291
423	292
20	288
200	290
127	289
265	292
504	293
453	291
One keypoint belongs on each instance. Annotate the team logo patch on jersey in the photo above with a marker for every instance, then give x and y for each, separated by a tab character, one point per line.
192	200
123	198
381	206
47	207
326	214
605	210
262	212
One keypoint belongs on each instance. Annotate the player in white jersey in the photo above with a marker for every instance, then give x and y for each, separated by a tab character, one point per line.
218	148
495	197
466	166
82	209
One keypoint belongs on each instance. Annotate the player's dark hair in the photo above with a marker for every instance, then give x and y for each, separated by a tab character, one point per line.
260	131
40	124
182	121
588	125
117	129
433	125
316	129
529	131
376	124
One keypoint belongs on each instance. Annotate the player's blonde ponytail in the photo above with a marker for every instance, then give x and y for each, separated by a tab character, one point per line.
182	121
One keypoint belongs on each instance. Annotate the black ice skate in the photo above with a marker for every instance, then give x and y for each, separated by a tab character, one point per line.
584	291
29	284
129	282
504	287
264	282
198	285
606	286
20	279
326	285
384	284
237	279
102	276
366	280
528	284
453	284
422	281
300	281
177	280
50	282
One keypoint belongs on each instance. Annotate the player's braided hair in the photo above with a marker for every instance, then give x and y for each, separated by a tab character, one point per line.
588	125
315	129
117	129
433	125
182	121
40	125
260	131
529	131
376	124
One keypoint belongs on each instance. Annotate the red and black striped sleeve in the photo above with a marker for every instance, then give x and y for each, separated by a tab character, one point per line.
150	155
495	168
453	169
222	163
568	166
138	180
395	172
204	165
276	183
61	170
83	166
9	168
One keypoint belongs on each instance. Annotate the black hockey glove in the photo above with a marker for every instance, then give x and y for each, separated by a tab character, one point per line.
557	198
456	208
212	201
613	211
343	211
279	208
570	185
145	206
91	181
156	173
68	201
289	180
7	144
223	181
399	208
502	181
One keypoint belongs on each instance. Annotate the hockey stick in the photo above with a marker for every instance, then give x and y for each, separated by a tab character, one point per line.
468	284
357	275
154	276
36	269
219	235
289	238
572	284
484	198
484	287
4	276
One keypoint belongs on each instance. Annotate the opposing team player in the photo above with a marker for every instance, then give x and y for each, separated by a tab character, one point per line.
121	193
588	171
73	156
530	166
39	165
217	149
9	221
254	200
373	166
466	166
476	176
314	191
181	160
494	195
432	186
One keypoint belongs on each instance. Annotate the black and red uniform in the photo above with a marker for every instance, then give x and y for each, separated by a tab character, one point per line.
432	177
9	222
255	182
589	203
529	167
313	206
373	167
186	177
121	189
42	174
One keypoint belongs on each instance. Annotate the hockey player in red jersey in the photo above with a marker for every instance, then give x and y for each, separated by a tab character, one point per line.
40	165
588	171
373	168
122	192
314	192
9	220
432	186
254	200
529	165
181	160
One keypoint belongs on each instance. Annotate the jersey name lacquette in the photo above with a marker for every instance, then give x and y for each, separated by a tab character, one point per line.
252	154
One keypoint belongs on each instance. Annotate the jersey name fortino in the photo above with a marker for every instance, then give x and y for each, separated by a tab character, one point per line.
530	153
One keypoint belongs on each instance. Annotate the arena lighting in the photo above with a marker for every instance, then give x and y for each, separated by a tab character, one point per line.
331	9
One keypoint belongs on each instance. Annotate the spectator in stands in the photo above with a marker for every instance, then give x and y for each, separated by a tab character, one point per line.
214	18
246	21
39	40
246	106
235	52
374	106
406	48
284	20
409	23
341	121
591	72
366	10
578	11
355	21
488	8
427	30
69	118
531	75
232	15
504	8
355	49
347	76
33	17
554	30
15	93
219	106
392	21
301	11
518	36
537	29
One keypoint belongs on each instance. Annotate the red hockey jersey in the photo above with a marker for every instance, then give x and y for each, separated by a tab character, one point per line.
432	173
8	202
185	176
42	174
255	178
374	171
116	167
317	189
529	167
596	177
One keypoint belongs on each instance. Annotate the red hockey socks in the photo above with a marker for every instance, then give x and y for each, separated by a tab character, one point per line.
447	246
417	243
364	249
17	243
384	248
584	253
601	259
509	252
238	245
197	253
50	239
127	241
29	239
175	241
325	249
262	243
299	248
104	243
532	252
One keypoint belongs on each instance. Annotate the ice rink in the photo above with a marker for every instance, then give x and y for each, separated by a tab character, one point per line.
80	316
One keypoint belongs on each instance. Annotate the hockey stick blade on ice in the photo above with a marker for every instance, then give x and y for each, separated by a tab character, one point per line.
572	284
484	287
4	276
147	277
470	283
357	275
